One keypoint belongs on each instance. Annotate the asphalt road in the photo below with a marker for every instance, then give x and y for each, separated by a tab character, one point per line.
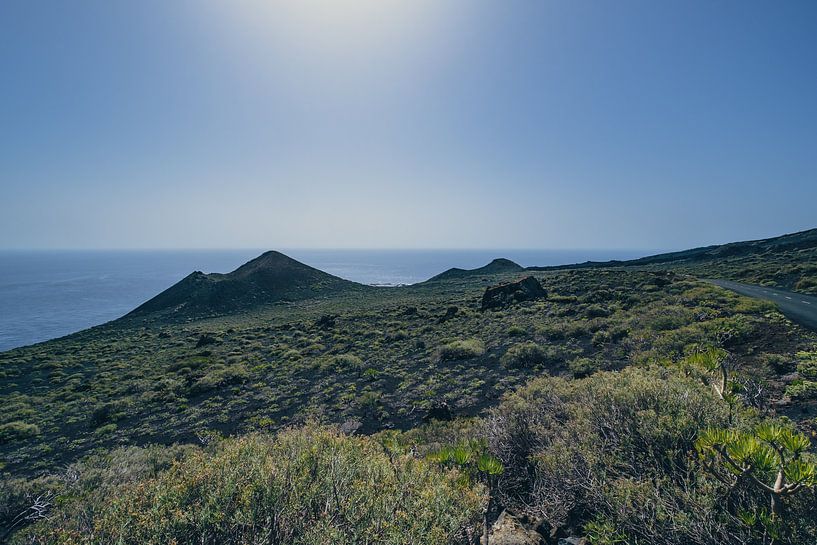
799	308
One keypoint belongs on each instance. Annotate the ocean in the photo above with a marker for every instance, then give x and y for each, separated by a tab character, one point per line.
48	294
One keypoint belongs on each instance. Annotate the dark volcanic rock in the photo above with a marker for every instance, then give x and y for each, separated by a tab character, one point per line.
525	289
512	530
327	321
450	312
440	411
205	340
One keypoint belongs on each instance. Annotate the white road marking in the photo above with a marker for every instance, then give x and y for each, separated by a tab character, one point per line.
805	302
787	297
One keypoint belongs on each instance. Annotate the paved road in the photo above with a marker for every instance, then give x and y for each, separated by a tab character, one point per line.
798	307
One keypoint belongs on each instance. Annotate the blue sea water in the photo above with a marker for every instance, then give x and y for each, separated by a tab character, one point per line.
48	294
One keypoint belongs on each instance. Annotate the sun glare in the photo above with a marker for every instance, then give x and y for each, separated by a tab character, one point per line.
339	27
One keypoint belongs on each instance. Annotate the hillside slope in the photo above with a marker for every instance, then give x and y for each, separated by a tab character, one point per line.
270	278
787	261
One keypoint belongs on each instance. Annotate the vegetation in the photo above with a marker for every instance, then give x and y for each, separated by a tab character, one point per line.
615	454
788	261
462	350
308	486
613	409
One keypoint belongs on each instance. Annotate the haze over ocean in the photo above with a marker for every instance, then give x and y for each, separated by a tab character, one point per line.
48	294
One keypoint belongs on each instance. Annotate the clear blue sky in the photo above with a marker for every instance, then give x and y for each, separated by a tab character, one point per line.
425	123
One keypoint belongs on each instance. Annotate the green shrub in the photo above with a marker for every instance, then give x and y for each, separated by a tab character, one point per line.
107	429
807	365
601	337
806	284
553	332
526	355
462	349
348	362
218	376
805	390
13	431
605	451
777	362
582	367
309	487
596	311
666	317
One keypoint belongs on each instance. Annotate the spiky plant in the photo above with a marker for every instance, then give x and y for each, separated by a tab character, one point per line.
773	457
714	361
473	459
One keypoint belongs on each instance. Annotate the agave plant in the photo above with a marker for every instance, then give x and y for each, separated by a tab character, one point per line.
773	457
473	459
713	360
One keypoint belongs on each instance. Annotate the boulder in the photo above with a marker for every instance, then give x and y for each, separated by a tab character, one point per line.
450	312
573	540
439	411
525	289
512	530
350	427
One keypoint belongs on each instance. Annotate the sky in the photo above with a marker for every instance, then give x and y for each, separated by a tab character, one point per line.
405	124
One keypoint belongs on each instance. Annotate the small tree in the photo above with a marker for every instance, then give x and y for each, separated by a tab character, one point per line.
714	361
476	463
773	458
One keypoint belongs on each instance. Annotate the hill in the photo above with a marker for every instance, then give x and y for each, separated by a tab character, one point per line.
787	261
270	278
497	266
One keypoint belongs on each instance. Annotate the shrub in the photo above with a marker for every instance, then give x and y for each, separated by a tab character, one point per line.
553	332
219	375
614	451
308	487
462	349
108	412
596	311
348	362
805	390
776	362
582	367
17	430
525	355
807	365
806	284
667	317
601	338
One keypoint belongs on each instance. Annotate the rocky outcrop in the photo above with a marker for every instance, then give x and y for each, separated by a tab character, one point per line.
450	312
511	530
525	289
